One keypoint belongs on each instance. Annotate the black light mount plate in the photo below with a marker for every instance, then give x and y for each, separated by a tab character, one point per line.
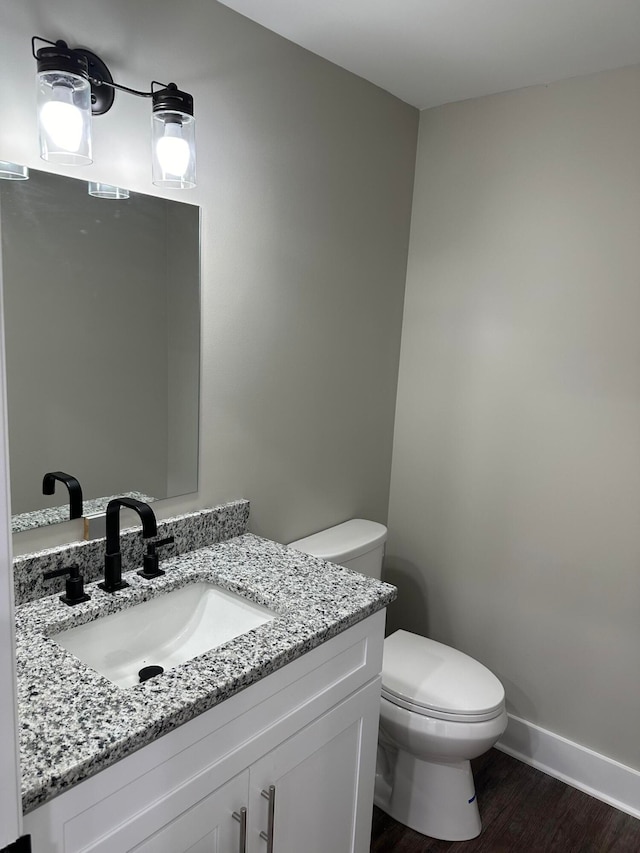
102	96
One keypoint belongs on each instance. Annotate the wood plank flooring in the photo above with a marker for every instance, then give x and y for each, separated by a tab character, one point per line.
522	811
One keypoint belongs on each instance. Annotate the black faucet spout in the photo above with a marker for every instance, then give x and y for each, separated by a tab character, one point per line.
113	558
72	484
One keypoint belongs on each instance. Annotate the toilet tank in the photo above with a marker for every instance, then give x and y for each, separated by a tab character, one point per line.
357	544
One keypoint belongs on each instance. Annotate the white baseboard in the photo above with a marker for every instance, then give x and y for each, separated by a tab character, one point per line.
582	768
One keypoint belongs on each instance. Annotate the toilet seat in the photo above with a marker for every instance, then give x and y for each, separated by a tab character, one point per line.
434	680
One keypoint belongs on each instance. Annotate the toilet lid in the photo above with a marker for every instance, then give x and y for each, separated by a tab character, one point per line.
426	676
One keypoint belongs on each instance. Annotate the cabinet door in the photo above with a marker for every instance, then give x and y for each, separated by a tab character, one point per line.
206	827
321	781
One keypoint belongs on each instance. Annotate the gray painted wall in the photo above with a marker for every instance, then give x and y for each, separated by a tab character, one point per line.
515	491
305	175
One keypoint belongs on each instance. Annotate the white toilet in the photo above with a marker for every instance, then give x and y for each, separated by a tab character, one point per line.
439	708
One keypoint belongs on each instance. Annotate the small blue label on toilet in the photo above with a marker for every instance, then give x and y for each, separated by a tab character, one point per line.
472	799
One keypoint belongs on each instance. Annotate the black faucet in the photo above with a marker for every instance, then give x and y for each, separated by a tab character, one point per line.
75	490
113	558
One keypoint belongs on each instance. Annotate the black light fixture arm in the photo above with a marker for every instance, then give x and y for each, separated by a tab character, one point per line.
139	94
113	85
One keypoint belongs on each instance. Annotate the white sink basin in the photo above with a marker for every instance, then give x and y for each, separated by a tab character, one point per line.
166	631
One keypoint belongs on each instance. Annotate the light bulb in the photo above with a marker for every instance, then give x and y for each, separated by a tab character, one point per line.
62	120
173	151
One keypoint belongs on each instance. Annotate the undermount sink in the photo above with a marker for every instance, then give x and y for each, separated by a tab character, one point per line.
165	631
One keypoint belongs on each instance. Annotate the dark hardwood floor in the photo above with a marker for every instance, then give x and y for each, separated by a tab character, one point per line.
522	811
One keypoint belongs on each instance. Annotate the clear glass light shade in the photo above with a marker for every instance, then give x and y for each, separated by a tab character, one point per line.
173	149
13	171
99	190
64	118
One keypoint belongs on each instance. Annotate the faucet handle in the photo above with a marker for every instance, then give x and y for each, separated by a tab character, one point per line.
151	564
75	593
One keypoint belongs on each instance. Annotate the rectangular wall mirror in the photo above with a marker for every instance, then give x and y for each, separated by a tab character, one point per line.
102	327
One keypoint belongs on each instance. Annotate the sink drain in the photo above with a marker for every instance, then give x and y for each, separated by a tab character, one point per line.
148	672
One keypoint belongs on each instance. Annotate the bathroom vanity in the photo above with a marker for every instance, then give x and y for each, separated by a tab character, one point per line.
265	743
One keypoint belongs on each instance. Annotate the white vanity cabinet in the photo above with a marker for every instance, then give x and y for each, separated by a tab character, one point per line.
285	766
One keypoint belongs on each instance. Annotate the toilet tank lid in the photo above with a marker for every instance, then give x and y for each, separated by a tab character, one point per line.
434	676
344	541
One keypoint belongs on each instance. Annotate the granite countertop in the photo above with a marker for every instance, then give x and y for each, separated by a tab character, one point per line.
74	722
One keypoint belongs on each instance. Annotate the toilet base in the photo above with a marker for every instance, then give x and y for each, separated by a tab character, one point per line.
434	798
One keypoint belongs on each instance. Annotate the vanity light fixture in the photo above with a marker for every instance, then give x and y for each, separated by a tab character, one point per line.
99	190
13	171
74	84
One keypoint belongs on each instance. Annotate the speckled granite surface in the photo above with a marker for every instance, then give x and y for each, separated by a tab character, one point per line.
74	722
191	530
57	514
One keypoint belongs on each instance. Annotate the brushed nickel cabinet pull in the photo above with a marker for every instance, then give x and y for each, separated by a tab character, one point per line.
268	835
241	817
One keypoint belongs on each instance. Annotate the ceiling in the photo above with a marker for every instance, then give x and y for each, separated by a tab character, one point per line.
430	52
